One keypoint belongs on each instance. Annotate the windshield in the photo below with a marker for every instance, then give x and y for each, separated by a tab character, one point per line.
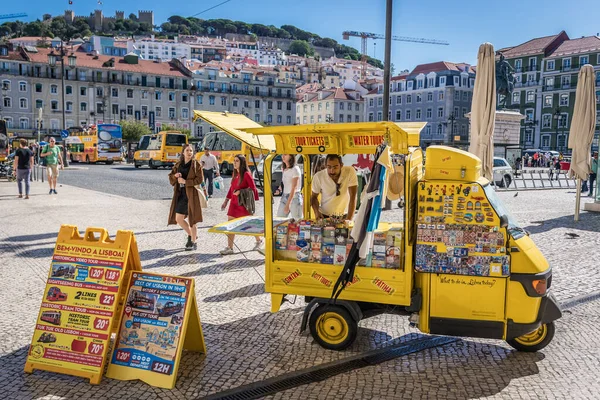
175	140
221	141
513	227
144	142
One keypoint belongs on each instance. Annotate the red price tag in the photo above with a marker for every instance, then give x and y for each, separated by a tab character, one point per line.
123	356
96	273
113	275
107	299
96	348
101	324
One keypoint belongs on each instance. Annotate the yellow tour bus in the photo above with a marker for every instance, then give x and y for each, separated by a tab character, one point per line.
159	150
225	147
100	143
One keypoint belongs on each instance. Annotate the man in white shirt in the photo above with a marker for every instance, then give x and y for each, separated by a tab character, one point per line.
337	186
210	166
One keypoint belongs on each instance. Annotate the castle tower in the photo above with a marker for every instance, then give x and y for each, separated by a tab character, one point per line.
146	16
98	20
69	16
119	15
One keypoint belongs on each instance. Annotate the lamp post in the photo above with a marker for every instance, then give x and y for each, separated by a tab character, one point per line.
53	58
558	117
4	89
451	119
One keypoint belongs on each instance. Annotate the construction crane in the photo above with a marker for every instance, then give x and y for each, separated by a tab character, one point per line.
11	16
367	35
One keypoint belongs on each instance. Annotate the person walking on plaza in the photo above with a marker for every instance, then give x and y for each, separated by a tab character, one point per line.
240	181
291	199
24	164
594	173
53	161
210	166
337	186
185	175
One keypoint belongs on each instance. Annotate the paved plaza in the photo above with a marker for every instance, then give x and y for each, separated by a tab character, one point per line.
246	343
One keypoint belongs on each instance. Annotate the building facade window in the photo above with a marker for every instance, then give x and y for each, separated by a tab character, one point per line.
547	121
22	86
22	103
548	101
83	106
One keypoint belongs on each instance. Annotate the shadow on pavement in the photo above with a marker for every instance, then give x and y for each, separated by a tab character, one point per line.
182	257
221	268
268	345
42	252
247	291
32	238
588	221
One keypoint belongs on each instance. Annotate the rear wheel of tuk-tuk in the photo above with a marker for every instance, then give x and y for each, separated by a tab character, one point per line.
534	341
333	327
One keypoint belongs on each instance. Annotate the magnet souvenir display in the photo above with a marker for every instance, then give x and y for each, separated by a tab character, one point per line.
458	232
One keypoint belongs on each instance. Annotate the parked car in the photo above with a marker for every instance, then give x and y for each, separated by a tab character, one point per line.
503	172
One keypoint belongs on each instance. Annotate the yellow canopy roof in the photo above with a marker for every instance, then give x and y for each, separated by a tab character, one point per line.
237	125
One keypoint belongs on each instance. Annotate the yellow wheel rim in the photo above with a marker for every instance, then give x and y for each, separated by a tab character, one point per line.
533	338
332	328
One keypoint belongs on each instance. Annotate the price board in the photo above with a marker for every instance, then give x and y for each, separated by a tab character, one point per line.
81	302
160	318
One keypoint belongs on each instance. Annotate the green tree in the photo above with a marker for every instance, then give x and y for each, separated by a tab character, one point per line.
134	130
133	17
166	128
301	47
325	42
34	28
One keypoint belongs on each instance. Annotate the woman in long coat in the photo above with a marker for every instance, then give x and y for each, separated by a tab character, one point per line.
184	177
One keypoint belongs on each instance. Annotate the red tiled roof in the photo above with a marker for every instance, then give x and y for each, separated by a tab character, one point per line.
90	61
575	46
533	46
399	77
440	66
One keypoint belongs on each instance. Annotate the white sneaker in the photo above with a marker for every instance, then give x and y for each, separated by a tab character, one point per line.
258	245
226	251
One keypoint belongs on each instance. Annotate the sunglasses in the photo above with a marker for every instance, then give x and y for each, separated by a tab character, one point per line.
337	188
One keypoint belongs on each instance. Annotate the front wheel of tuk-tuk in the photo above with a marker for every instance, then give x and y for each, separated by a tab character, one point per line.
333	327
534	341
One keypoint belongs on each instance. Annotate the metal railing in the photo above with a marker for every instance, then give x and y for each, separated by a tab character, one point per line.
538	179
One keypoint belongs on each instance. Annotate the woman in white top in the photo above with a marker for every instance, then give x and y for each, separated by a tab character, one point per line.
291	200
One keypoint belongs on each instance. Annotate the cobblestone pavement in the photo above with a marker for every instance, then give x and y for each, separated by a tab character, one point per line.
246	343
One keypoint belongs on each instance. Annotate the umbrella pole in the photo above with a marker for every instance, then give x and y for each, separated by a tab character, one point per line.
578	199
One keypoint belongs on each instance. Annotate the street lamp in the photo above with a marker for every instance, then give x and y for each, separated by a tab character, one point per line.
558	117
4	89
451	120
54	58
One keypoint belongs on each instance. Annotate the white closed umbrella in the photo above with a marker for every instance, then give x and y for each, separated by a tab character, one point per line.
582	129
483	110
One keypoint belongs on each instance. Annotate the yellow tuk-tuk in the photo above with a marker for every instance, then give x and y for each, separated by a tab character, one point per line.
456	262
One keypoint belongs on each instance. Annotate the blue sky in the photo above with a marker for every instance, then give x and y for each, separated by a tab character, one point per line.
465	25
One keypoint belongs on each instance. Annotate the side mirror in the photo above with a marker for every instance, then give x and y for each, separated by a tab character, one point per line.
503	221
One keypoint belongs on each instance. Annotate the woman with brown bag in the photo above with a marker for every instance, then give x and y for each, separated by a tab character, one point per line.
184	177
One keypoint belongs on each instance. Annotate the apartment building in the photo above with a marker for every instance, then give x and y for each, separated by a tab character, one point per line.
162	49
438	93
255	92
97	89
329	105
546	71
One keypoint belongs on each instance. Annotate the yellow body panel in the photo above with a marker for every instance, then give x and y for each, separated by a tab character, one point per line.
238	126
478	298
447	163
529	259
519	306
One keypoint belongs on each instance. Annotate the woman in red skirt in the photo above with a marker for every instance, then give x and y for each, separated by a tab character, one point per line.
241	179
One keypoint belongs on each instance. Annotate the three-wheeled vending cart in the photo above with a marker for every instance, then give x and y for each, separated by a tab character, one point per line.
456	261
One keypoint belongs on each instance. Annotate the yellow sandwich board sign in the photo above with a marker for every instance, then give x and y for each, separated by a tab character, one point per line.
159	320
82	301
